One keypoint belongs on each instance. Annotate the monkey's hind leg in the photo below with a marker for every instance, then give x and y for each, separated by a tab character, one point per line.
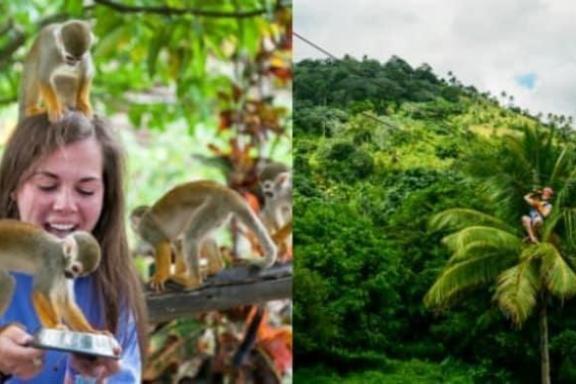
211	251
73	316
280	237
53	105
163	261
189	277
83	99
46	311
200	225
7	284
180	267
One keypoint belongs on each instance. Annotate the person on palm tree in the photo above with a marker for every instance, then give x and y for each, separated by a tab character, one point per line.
539	200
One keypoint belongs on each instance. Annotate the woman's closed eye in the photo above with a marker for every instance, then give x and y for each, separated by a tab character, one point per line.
47	187
86	192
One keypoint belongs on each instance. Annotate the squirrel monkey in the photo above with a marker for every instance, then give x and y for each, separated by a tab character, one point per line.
29	249
276	185
194	210
58	69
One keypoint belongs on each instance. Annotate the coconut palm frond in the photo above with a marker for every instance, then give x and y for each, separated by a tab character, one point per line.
560	167
517	290
458	218
569	221
558	277
556	216
518	161
490	237
463	276
473	249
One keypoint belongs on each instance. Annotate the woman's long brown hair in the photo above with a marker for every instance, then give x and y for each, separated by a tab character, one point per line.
116	280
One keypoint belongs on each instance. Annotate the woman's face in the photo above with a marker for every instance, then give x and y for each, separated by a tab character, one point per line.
63	191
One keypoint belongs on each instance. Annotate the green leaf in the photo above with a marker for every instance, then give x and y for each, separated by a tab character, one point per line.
457	218
559	278
156	44
463	276
74	7
482	235
517	290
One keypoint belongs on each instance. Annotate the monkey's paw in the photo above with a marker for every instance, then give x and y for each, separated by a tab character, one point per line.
85	108
54	115
186	281
158	283
62	327
34	110
253	264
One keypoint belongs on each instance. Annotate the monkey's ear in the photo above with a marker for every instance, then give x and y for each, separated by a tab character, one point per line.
282	177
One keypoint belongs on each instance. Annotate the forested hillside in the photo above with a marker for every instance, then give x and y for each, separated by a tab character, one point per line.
380	149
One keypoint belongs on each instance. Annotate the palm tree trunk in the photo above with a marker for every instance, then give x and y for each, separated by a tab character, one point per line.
544	354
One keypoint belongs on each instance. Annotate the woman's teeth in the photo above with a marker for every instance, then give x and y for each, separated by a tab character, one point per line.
61	227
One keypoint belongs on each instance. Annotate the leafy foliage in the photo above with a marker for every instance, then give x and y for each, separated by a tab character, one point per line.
448	163
197	90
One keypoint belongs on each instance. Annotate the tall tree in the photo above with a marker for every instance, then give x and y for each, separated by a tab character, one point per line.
489	249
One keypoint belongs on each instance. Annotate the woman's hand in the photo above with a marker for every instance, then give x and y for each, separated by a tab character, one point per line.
16	358
99	367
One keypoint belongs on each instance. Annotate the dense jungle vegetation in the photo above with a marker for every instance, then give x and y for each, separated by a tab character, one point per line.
380	149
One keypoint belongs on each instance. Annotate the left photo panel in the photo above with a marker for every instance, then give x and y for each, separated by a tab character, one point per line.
146	191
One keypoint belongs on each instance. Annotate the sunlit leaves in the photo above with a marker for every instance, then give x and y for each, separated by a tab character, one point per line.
457	218
517	290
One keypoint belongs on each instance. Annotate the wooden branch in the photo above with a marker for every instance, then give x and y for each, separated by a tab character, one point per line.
180	11
230	288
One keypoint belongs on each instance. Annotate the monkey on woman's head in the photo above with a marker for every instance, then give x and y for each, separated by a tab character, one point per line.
58	70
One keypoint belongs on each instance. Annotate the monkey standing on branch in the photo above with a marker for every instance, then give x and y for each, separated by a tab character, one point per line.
58	70
194	210
28	249
276	185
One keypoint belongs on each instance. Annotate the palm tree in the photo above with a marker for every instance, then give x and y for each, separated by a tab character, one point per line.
488	249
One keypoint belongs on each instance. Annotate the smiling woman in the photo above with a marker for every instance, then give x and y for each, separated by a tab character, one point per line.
64	177
64	191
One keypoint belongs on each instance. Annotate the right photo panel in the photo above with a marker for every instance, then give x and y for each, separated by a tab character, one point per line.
434	192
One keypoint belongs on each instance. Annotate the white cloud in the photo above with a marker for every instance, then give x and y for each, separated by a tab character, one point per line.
487	44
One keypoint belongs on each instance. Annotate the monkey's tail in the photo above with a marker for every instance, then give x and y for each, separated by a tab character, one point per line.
249	338
249	218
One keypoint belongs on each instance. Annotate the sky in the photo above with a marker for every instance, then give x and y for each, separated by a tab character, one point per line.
526	48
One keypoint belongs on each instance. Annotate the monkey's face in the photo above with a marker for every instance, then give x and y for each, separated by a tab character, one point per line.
81	253
76	41
72	60
72	57
72	268
268	188
280	186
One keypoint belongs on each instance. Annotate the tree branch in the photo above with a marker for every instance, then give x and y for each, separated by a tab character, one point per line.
15	42
180	11
230	288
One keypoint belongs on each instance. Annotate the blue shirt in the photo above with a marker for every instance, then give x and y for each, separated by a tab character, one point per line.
55	365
